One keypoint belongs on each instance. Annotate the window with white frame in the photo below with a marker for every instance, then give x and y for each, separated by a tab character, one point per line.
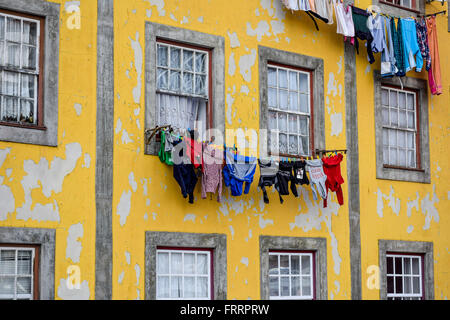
183	275
399	113
291	275
289	104
404	277
410	4
17	273
20	69
182	95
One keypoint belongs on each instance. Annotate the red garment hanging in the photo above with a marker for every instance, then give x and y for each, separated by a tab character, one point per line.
332	169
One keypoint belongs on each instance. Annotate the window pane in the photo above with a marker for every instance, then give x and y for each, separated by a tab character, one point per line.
163	263
407	285
202	264
7	286
390	265
163	287
162	78
402	157
410	102
392	138
189	263
295	286
293	81
393	98
293	145
304	148
176	263
10	83
304	128
24	285
407	266
412	159
386	155
13	30
28	86
200	62
293	101
188	60
273	264
293	124
2	48
283	144
189	287
7	262
29	33
202	287
415	265
2	28
402	100
274	286
402	119
385	115
304	103
411	122
394	117
175	79
282	79
200	85
398	265
284	286
29	57
306	265
393	156
10	106
188	82
295	264
401	139
24	262
284	264
272	77
272	120
162	56
282	122
306	286
304	85
390	284
175	58
283	99
385	137
416	284
411	141
176	287
384	97
272	97
398	285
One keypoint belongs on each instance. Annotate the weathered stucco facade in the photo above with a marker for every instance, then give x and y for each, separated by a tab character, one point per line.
101	197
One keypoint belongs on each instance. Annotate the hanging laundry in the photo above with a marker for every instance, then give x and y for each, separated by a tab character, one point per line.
410	46
212	171
237	171
166	147
195	152
319	10
332	169
397	40
422	40
434	74
376	27
362	32
187	179
285	180
291	4
330	9
388	68
317	178
300	176
344	20
268	176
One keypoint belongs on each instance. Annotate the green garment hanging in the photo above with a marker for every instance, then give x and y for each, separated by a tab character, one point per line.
164	156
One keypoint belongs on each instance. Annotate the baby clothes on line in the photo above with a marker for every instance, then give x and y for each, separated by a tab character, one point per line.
268	176
410	46
185	175
422	40
362	32
285	181
320	10
344	20
237	171
166	147
332	169
317	178
300	176
212	171
388	68
434	74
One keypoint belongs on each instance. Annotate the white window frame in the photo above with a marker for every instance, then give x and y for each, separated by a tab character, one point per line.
288	112
15	275
183	275
279	275
408	296
21	71
388	128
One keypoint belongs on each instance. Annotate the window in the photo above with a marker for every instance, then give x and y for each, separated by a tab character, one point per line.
293	268
406	270
182	86
29	71
400	143
291	96
291	275
289	99
184	274
185	80
20	61
402	129
18	272
404	277
409	4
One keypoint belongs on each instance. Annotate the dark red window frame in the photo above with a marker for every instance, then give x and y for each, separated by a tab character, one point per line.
422	262
35	263
40	99
211	262
311	106
313	267
418	145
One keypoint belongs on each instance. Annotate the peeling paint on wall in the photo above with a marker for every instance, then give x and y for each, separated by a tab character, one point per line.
244	260
66	293
429	210
138	60
132	182
7	201
412	204
231	65
336	124
124	207
190	217
78	108
137	269
73	249
246	62
234	41
159	5
261	30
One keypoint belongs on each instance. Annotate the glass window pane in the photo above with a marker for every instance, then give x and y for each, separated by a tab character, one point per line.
398	285
273	264
386	155
304	148
293	124
385	115
175	79
393	98
176	287
293	101
2	28
390	265
407	266
407	285
411	122
416	285
393	156
306	265
272	120
162	81
272	97
411	159
392	138
394	117
402	119
411	141
29	57
163	263
304	103
13	29
283	144
188	82
189	263
200	62
398	265
188	60
410	102
293	145
10	109
295	286
283	99
384	97
295	264
7	262
202	287
402	157
7	286
390	284
304	85
385	137
272	77
162	56
284	264
24	285
274	286
282	122
282	79
24	262
27	112
304	128
28	86
200	85
189	287
176	263
163	287
175	58
402	100
293	81
202	264
415	265
29	33
284	286
10	83
401	139
306	286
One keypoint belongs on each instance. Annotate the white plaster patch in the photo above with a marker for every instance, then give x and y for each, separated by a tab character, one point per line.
185	20
121	276
332	85
172	17
232	232
231	65
410	229
230	101
246	62
87	161
394	203
190	217
267	5
78	108
339	63
66	293
3	154
118	126
7	201
51	180
244	260
132	182
73	249
159	6
149	13
367	69
245	89
336	124
264	222
136	46
277	27
412	204
234	40
429	210
8	172
137	269
261	30
124	207
126	138
200	19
